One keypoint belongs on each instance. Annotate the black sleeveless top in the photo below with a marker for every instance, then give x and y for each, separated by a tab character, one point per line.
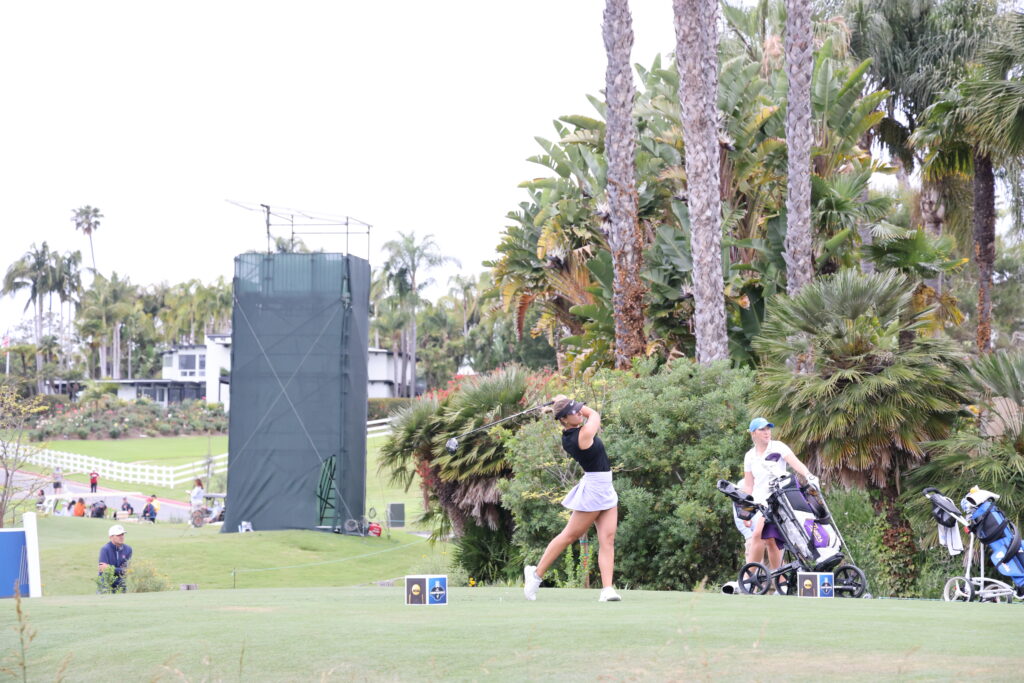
593	459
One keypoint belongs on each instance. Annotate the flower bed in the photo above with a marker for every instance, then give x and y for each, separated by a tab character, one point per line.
109	418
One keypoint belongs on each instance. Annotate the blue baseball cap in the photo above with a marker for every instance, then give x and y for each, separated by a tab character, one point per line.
759	423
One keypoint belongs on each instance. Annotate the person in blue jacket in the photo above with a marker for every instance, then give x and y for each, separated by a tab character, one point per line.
116	554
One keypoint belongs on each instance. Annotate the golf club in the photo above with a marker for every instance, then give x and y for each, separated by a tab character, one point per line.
452	444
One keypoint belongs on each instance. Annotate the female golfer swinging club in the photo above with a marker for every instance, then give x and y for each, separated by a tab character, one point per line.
592	501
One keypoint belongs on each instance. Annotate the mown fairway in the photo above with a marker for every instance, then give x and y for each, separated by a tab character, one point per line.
69	548
366	633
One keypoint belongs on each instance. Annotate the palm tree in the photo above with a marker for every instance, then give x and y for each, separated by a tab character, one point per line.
464	293
624	235
799	133
68	287
403	268
87	219
866	390
987	451
697	61
919	49
33	272
122	297
972	129
93	321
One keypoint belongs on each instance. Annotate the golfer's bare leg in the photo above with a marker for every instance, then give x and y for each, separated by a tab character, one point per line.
755	547
774	554
607	522
578	524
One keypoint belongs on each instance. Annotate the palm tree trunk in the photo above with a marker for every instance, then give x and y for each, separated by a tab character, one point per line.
933	216
624	236
984	245
103	359
116	352
412	353
696	47
39	342
404	344
799	68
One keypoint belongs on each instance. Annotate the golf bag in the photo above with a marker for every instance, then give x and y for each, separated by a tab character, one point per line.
807	531
990	525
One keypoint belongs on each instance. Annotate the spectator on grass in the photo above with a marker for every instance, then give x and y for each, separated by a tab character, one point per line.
40	499
94	480
762	463
127	508
149	511
79	508
593	500
196	496
116	555
69	508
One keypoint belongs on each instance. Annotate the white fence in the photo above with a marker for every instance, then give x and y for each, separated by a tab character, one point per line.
155	475
378	427
130	472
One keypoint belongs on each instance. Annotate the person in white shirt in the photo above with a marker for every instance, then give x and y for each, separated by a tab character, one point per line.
197	495
762	463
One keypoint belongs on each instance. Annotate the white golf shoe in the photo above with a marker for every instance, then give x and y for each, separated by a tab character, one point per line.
532	582
608	594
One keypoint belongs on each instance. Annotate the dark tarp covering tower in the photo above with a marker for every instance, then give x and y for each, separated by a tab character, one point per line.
297	439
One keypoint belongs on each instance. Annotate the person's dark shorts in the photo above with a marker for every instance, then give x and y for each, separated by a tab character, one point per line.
772	531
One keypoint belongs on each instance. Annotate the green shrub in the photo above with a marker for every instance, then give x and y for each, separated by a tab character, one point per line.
142	577
105	579
106	416
97	390
675	434
670	436
380	408
487	555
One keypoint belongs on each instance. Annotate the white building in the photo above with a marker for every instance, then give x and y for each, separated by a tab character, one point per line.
203	371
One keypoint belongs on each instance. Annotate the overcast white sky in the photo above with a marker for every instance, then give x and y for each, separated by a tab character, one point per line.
408	115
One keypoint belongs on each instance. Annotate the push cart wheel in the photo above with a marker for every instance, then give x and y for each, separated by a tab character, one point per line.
754	579
850	582
785	583
958	589
198	518
992	590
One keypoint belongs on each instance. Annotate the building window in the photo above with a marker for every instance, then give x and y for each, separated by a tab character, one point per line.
202	365
168	360
187	365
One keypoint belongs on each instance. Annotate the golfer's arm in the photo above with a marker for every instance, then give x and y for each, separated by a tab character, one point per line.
590	429
800	468
748	482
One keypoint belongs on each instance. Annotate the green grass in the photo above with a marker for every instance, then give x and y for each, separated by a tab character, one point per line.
172	450
367	633
180	450
379	492
69	548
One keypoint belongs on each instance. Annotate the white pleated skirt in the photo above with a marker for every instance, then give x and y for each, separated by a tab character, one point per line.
593	493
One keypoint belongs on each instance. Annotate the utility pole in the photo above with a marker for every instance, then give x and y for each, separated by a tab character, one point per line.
266	210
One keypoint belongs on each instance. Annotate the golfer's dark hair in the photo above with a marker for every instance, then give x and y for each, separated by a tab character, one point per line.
558	404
